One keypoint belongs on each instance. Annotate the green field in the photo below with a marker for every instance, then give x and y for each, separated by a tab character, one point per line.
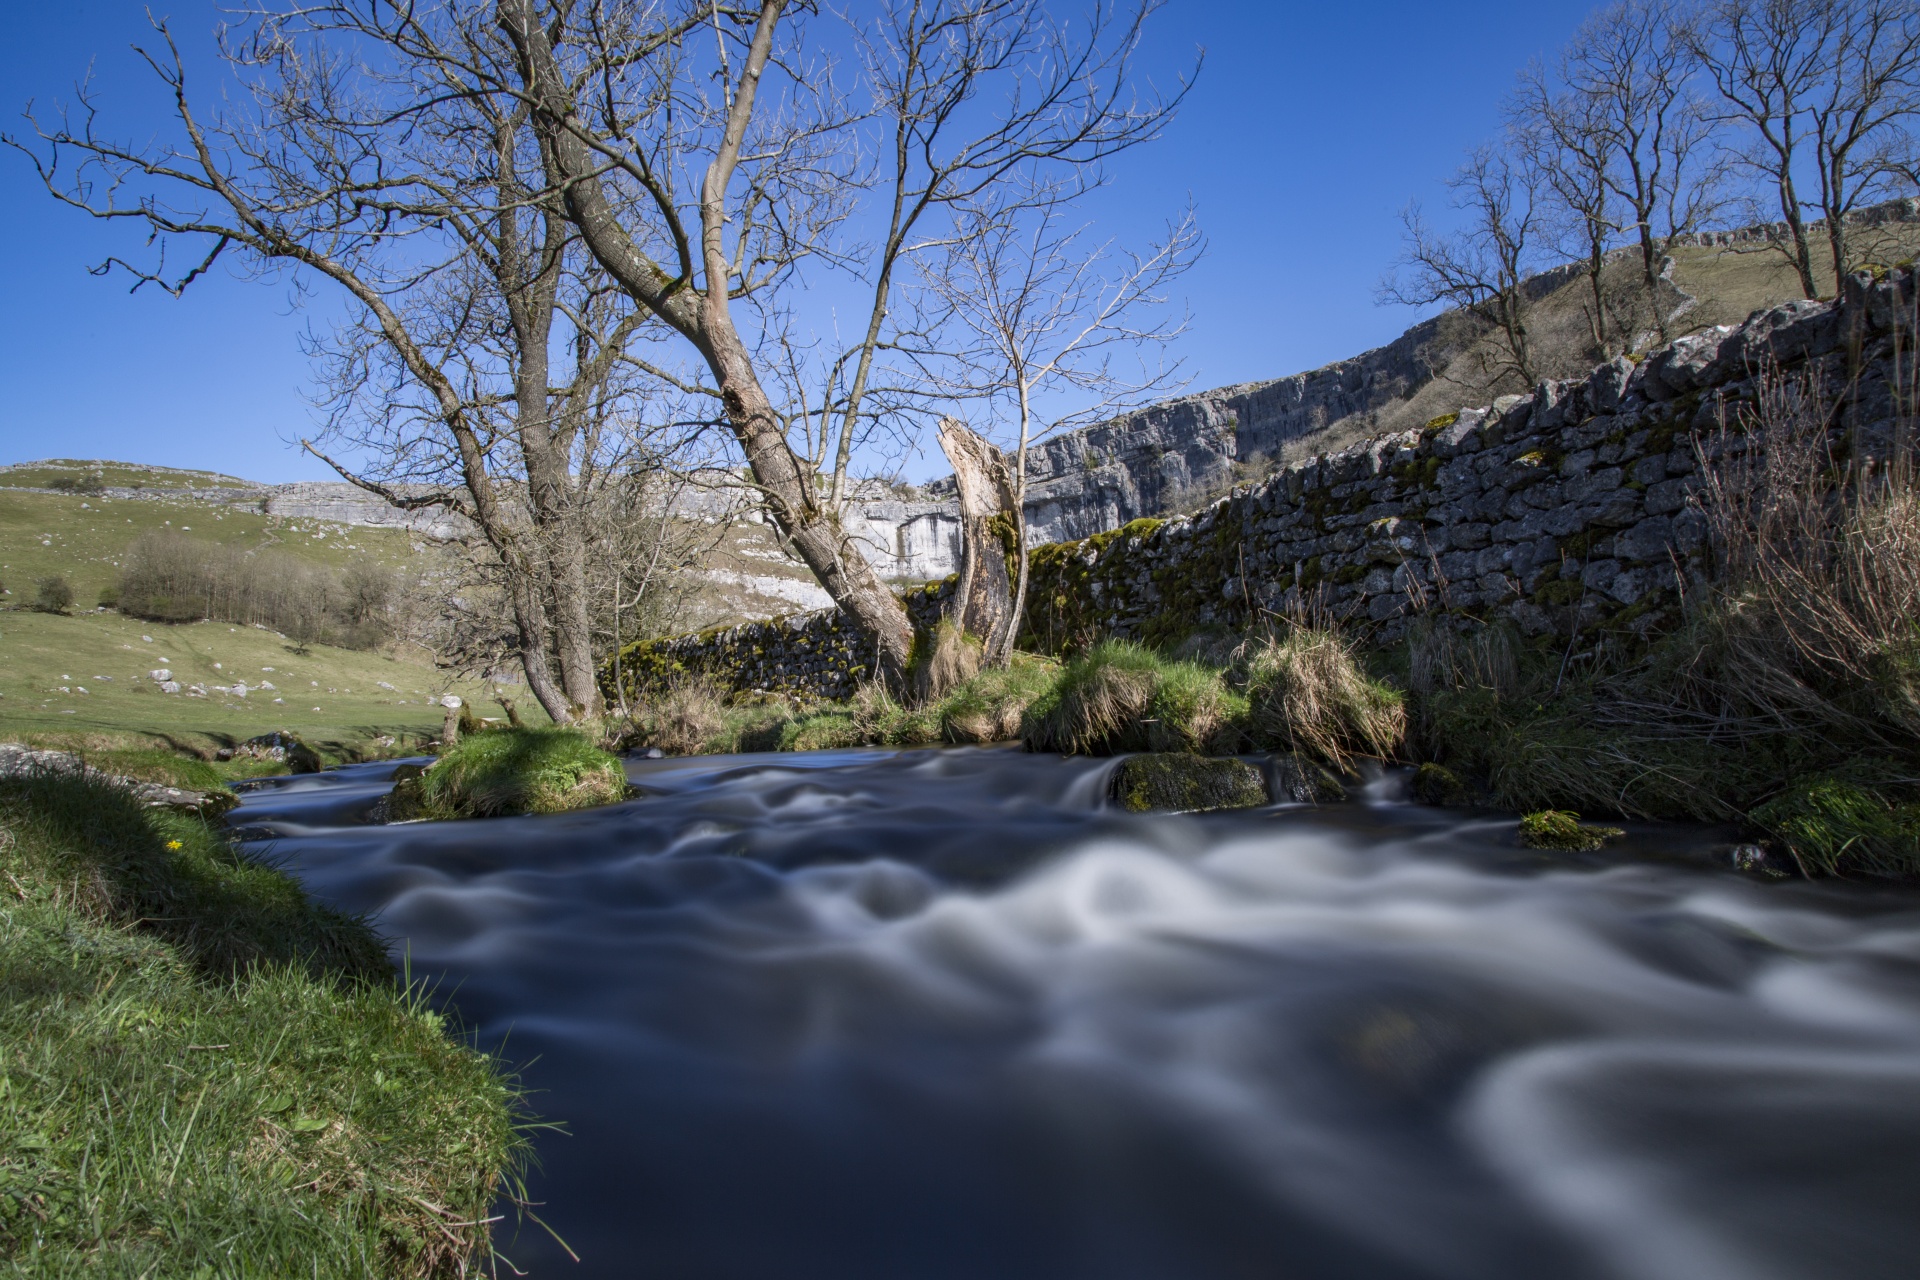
325	695
336	699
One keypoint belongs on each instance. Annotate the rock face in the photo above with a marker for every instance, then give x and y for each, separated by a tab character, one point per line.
1143	463
344	503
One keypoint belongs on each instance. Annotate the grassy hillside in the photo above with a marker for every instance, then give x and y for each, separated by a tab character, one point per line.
120	475
1726	284
326	695
84	536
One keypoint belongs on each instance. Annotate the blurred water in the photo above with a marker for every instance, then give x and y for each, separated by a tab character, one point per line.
941	1014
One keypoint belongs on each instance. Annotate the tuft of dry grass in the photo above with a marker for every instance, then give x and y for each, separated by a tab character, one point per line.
1307	692
950	659
682	719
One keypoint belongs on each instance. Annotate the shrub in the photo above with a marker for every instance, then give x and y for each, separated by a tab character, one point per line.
53	595
502	772
1308	693
169	577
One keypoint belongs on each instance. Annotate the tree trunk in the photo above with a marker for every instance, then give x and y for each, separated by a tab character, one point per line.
1802	251
981	603
787	487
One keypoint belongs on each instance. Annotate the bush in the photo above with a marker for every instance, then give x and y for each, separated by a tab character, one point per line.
502	772
53	595
1308	693
169	577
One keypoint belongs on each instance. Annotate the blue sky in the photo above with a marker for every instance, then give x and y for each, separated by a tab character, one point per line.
1311	127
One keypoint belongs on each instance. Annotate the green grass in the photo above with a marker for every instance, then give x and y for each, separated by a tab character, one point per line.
38	651
509	771
1122	696
203	1073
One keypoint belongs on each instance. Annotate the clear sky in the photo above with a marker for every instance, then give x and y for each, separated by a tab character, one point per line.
1312	125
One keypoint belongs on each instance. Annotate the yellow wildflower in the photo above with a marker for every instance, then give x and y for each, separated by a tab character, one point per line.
172	845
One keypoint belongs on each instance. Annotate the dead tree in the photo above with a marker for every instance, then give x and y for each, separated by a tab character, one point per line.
982	598
1051	312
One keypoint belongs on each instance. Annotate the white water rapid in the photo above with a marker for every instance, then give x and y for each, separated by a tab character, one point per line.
942	1015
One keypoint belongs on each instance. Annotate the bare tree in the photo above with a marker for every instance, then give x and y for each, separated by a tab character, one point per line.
1565	140
416	187
1630	68
1826	85
722	204
1860	116
1050	313
1482	267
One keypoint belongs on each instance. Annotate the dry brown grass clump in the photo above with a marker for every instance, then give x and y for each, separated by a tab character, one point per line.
681	719
1308	693
1818	617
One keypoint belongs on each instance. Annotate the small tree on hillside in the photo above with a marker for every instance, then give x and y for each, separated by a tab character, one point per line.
54	594
1482	267
1825	94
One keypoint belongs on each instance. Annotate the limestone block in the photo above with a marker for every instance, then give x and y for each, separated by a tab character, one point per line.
1646	541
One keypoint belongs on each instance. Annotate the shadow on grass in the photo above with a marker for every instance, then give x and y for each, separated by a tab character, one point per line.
179	879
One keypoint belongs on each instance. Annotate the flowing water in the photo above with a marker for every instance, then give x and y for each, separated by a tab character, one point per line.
942	1015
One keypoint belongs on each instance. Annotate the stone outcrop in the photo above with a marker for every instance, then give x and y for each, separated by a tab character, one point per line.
21	761
343	503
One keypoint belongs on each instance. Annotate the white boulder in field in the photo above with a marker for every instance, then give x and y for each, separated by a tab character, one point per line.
160	675
169	686
451	702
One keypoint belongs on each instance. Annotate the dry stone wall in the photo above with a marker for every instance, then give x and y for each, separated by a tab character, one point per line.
809	656
1564	512
1569	508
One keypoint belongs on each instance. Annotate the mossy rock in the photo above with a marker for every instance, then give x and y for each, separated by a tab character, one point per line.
1563	832
1438	785
1182	783
1303	780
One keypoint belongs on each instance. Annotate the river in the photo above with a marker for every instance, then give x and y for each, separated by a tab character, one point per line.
944	1015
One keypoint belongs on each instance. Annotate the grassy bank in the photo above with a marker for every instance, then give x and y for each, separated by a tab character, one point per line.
502	772
204	1073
